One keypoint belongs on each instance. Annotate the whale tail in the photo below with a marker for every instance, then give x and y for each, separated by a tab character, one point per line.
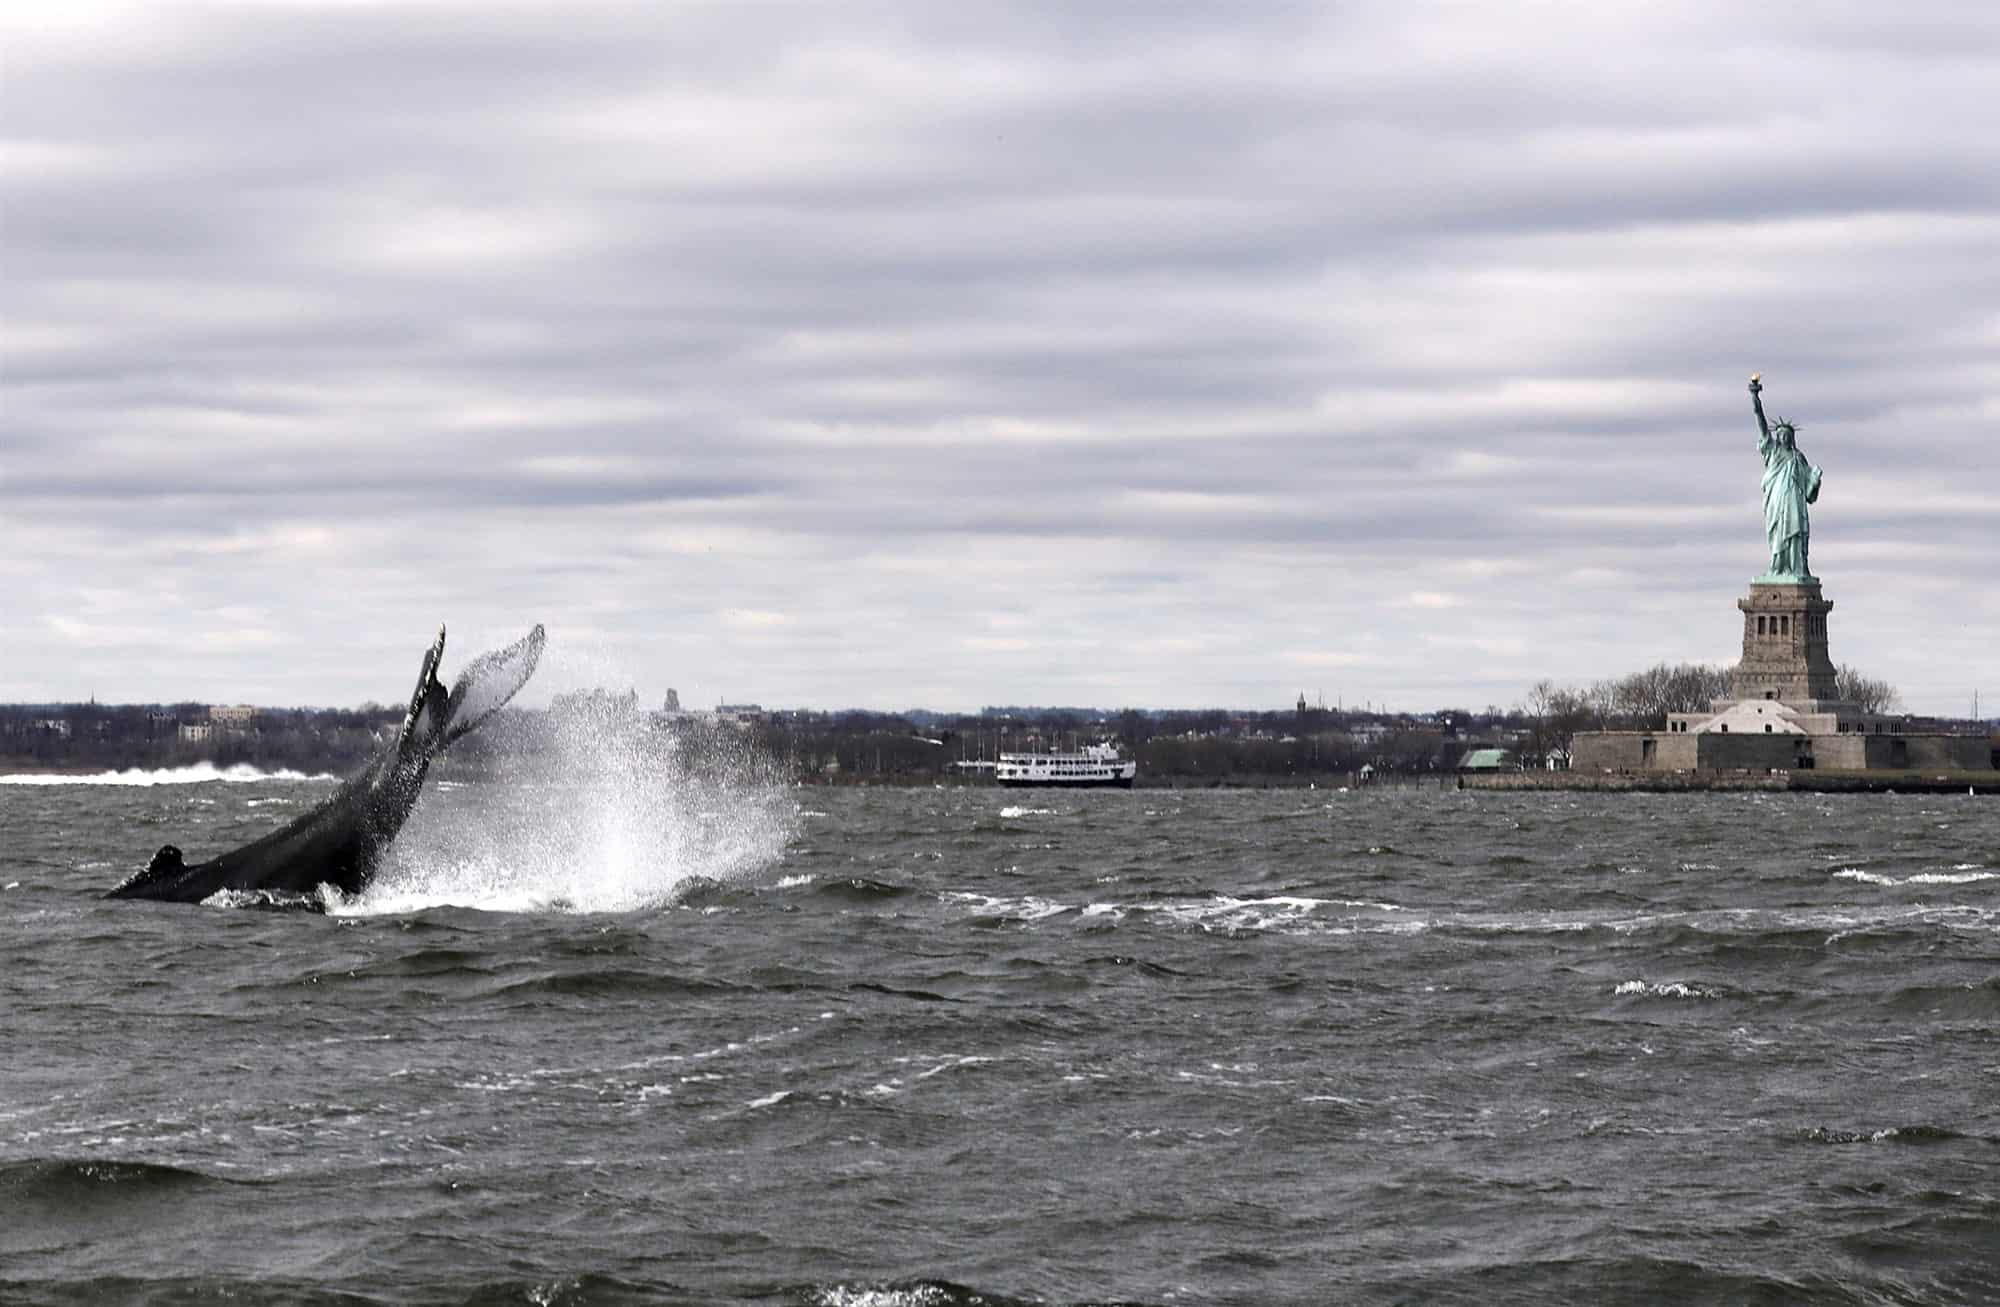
437	718
340	841
488	682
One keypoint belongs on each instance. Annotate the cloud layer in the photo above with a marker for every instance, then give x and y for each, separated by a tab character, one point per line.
896	353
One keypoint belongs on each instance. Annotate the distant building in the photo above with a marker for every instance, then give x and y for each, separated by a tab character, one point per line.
1489	760
196	732
234	715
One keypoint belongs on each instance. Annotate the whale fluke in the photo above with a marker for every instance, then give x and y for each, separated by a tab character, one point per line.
488	682
341	842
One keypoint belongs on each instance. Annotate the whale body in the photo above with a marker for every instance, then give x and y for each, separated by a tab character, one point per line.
341	841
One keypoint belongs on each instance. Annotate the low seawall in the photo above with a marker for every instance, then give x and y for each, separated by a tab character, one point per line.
1636	782
1812	781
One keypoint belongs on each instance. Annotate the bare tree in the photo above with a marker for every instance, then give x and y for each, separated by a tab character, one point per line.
1865	692
1644	699
1557	713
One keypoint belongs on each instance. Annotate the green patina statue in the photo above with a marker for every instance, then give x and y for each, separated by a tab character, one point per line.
1790	483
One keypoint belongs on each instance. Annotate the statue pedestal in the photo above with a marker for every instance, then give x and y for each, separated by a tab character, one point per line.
1784	643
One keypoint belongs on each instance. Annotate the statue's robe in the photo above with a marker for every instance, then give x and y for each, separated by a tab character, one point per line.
1790	483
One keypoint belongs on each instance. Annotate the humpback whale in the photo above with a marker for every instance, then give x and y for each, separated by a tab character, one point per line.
340	842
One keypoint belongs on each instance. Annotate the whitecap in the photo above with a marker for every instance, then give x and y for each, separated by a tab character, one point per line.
200	773
314	901
1671	989
1958	877
918	1295
1029	906
951	1063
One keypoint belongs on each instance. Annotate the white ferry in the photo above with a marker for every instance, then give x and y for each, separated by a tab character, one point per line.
1096	765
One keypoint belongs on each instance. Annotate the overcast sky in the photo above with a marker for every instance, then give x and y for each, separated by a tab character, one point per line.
948	354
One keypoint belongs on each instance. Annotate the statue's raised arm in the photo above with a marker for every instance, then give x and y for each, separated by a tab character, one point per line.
1757	403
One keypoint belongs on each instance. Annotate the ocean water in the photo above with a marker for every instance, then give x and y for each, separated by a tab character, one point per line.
637	1039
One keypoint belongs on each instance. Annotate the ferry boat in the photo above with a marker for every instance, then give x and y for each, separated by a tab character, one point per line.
1094	766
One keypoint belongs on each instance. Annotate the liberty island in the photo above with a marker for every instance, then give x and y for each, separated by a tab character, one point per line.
1783	713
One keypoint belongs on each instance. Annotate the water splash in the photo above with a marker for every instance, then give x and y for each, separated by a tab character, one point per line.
588	813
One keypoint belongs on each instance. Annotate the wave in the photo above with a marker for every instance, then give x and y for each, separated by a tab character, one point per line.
201	773
908	1293
615	982
1218	912
1895	1134
589	1289
275	900
998	908
68	1183
1669	989
1978	1001
1961	875
1716	930
859	889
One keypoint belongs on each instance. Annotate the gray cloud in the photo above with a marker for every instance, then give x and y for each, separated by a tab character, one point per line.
903	353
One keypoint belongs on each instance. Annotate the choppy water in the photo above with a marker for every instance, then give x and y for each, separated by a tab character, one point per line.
904	1048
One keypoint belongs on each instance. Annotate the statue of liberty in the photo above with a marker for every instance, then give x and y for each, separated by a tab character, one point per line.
1790	483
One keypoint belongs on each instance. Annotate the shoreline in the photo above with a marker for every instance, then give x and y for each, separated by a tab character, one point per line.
1807	782
1797	782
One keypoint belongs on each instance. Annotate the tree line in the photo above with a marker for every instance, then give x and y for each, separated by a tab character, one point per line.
1642	701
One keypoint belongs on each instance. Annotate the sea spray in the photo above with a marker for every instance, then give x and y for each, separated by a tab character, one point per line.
591	809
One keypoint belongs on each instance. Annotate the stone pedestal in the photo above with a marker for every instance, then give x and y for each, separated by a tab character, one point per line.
1784	644
1782	714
